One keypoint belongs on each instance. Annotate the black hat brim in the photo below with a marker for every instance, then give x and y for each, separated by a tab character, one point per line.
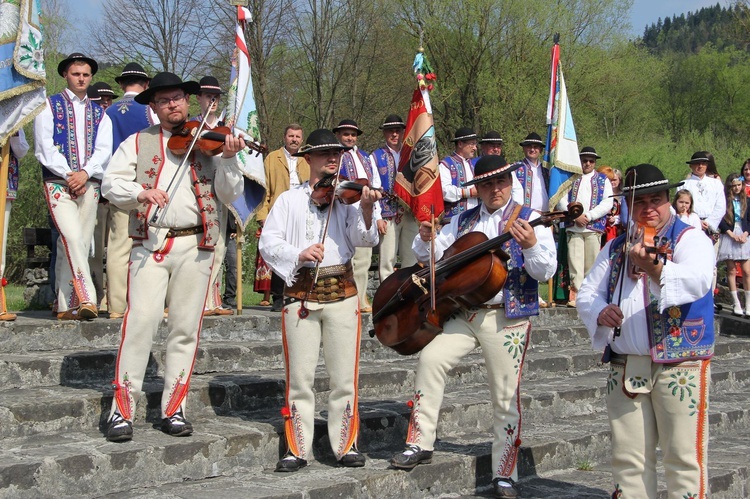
189	87
590	154
647	190
63	66
508	168
348	127
532	143
324	147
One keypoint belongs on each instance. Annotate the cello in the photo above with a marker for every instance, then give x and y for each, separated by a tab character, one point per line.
471	272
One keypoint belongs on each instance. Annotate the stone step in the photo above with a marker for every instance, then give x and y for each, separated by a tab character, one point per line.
244	452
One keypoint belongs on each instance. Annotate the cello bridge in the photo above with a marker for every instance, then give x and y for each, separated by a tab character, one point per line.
419	282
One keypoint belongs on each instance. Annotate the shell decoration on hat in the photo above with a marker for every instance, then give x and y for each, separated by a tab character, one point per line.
422	68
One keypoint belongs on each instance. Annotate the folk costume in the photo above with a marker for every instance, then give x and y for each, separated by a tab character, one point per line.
709	201
283	171
331	311
534	178
594	191
128	117
401	226
18	149
355	164
455	172
501	321
171	260
72	135
658	385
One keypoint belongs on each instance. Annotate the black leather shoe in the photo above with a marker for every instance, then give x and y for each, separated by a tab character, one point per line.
278	305
353	459
119	429
410	457
290	463
176	425
504	487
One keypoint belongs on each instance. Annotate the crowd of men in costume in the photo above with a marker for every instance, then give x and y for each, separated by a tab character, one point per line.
110	176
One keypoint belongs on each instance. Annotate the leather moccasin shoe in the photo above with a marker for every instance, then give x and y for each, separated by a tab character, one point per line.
119	429
176	425
411	457
352	459
504	487
223	311
290	463
88	310
69	315
7	316
116	315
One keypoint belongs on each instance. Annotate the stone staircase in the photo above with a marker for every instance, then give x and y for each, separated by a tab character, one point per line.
56	394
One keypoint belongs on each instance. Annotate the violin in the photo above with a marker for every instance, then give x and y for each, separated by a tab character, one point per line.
210	142
346	191
657	246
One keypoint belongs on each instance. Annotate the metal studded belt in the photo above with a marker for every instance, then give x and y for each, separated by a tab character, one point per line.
335	283
185	232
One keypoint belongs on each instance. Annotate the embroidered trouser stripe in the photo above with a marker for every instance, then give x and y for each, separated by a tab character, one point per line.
397	242
674	416
337	326
75	220
180	277
503	345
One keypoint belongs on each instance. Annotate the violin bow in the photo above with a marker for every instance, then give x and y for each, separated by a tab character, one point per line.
624	267
433	293
184	161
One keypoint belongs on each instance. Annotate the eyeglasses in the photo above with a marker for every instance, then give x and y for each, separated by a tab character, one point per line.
584	161
166	101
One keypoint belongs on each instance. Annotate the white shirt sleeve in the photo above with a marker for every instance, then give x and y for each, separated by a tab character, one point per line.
229	182
592	298
688	277
451	193
540	261
283	257
720	207
44	147
19	145
516	193
119	185
603	208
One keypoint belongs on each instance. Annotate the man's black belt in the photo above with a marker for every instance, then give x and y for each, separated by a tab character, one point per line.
185	232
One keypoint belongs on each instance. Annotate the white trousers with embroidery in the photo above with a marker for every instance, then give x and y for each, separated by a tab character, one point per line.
672	415
582	250
118	256
361	262
504	344
337	325
178	274
397	242
75	219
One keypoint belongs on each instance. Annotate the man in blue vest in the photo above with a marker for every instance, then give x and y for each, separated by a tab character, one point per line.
128	117
455	171
654	318
397	226
594	191
73	143
500	326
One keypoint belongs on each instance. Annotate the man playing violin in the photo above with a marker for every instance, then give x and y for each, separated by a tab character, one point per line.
174	225
656	327
500	326
311	247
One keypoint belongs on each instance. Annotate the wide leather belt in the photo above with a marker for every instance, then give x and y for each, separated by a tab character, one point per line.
185	232
334	283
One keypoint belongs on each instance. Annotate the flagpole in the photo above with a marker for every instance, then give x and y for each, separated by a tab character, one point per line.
3	198
239	241
550	114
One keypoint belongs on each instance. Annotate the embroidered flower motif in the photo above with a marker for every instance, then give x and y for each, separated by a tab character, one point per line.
674	312
682	382
675	331
690	495
151	172
638	381
156	159
612	383
617	494
515	342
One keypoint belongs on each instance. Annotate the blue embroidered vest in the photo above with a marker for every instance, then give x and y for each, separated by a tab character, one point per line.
521	291
12	191
64	134
349	168
527	181
455	166
597	195
684	332
387	169
128	117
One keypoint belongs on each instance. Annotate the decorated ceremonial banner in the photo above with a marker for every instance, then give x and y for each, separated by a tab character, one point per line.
418	178
22	76
562	145
242	116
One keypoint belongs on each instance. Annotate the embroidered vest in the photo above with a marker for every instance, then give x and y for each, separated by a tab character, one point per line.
151	157
12	191
597	195
527	180
455	165
128	117
521	291
684	332
64	134
387	169
349	167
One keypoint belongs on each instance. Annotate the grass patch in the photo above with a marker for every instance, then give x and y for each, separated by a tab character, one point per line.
585	465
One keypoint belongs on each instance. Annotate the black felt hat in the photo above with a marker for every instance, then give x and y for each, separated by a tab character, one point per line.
104	89
491	166
491	137
210	85
93	93
163	81
348	125
589	151
392	121
132	70
321	139
698	157
76	57
645	179
463	134
532	139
